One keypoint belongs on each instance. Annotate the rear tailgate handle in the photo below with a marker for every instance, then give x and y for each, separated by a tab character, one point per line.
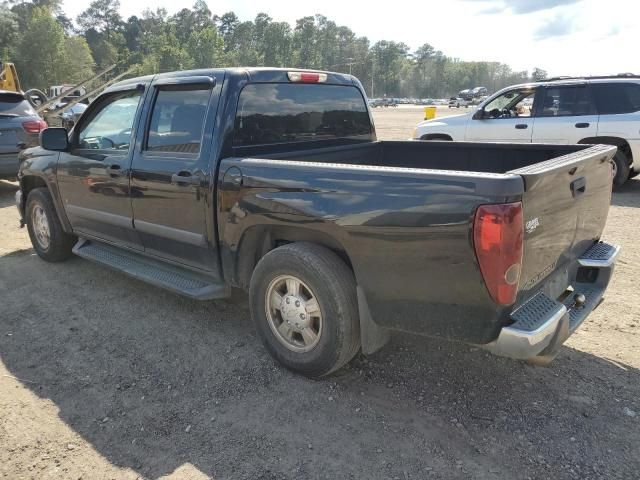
582	125
521	126
578	186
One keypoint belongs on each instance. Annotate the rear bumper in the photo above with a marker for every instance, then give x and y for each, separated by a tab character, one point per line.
542	324
9	165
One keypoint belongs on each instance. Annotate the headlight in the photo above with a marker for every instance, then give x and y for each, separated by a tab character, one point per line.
415	133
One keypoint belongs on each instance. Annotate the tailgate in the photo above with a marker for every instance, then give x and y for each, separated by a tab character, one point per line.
10	130
565	208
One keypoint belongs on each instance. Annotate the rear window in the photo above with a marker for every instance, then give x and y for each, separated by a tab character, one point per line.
15	105
613	98
272	113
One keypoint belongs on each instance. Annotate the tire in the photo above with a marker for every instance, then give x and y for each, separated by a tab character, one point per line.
622	169
323	276
59	244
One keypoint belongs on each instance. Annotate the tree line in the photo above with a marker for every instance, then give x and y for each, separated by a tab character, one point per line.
50	48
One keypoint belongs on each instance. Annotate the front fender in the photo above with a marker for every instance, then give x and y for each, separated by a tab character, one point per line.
38	168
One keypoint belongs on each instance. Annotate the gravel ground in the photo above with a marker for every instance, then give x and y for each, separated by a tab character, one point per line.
102	376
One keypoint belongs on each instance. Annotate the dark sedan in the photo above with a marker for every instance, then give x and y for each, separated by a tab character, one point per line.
20	127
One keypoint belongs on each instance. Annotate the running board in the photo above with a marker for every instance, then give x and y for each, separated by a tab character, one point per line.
177	279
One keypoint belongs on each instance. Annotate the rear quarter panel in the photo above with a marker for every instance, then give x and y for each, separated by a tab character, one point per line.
406	233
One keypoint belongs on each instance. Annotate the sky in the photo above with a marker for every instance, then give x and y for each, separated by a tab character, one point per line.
564	37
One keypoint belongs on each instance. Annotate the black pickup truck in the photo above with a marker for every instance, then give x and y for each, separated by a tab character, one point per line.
272	180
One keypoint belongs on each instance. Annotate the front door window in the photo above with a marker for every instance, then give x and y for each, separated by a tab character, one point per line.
511	104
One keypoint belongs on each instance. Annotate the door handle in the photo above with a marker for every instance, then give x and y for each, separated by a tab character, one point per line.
114	170
582	125
185	178
578	186
521	126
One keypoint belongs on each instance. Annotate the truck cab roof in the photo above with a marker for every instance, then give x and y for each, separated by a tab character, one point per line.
249	74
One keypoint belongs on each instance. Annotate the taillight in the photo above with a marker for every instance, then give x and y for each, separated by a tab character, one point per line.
34	126
498	233
307	77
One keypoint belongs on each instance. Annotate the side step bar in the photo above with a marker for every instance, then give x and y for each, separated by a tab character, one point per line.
179	280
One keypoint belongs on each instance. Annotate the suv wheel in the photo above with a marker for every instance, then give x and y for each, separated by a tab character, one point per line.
621	169
49	240
304	305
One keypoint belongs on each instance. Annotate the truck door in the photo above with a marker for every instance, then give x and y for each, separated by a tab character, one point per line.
566	114
171	173
93	176
506	118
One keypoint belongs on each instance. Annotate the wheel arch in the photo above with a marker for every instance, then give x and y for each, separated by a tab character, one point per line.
259	240
29	182
437	136
619	142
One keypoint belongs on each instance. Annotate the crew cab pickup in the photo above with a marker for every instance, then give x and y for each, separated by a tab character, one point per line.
273	181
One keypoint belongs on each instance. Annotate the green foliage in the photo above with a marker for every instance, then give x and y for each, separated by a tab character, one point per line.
101	16
77	63
206	48
40	50
8	32
42	42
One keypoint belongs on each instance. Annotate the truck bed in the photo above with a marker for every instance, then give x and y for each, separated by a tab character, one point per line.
403	213
457	156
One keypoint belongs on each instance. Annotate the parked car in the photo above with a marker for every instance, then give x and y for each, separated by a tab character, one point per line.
20	127
383	102
272	180
604	110
457	102
71	115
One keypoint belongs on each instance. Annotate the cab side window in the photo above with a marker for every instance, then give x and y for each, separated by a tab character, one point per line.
566	102
109	126
177	121
616	98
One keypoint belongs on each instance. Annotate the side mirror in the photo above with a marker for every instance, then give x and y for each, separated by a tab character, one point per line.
54	139
479	115
70	124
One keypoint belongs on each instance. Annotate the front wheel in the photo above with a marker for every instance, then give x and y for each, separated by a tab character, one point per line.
304	305
49	240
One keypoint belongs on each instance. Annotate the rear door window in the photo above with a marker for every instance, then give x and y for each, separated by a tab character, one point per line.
272	113
566	101
177	121
15	105
616	98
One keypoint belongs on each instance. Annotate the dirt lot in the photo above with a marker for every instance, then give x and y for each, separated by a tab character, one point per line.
102	376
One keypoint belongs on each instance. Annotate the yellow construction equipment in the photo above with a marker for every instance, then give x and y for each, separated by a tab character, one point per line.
9	77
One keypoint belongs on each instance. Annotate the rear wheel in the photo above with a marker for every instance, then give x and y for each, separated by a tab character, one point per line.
621	169
49	240
304	305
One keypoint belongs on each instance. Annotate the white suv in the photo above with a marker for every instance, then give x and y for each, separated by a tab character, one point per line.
563	110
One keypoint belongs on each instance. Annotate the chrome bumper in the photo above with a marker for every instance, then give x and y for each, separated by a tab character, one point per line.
542	324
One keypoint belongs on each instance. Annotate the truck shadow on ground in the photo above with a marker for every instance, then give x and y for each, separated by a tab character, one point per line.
628	195
7	192
154	381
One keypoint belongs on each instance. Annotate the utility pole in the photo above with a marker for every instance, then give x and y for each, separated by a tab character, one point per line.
373	71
